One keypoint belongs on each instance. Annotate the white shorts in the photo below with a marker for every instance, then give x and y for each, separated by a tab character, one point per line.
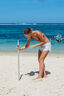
45	47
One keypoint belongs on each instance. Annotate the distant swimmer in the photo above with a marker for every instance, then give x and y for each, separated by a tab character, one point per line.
58	38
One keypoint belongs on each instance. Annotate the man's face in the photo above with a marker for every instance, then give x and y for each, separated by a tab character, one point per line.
27	35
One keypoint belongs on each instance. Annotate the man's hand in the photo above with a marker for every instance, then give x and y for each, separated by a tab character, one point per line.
20	48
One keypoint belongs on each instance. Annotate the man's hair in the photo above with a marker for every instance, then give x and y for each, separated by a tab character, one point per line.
27	31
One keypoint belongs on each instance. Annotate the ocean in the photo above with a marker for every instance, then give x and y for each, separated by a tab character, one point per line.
10	33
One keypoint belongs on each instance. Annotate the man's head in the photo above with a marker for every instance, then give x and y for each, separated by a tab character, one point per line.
27	31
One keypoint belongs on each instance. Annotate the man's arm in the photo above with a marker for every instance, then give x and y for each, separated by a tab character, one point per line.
32	46
40	35
26	46
28	42
41	43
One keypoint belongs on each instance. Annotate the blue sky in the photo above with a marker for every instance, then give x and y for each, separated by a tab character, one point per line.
32	11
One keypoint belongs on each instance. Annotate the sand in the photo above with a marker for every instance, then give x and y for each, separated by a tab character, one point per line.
53	85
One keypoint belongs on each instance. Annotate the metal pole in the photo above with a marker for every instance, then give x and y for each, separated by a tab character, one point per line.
18	61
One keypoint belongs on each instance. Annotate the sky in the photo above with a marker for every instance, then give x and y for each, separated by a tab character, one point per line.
31	11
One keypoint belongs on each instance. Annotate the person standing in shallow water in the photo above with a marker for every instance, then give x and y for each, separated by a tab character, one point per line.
44	47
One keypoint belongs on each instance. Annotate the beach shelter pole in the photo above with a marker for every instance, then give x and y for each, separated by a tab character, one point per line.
18	61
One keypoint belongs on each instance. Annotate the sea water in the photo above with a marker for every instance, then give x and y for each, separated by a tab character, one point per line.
9	34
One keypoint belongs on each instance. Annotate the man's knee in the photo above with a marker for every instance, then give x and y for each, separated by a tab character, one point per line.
41	60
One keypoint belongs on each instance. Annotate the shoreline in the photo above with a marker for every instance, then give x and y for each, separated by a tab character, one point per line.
30	54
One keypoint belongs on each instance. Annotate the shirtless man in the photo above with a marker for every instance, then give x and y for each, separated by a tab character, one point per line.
44	47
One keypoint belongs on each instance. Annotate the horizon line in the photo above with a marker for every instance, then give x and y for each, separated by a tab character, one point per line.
27	23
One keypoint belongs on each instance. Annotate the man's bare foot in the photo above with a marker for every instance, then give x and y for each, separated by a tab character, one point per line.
45	76
38	77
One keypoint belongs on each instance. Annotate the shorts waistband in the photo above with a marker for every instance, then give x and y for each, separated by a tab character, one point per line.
47	43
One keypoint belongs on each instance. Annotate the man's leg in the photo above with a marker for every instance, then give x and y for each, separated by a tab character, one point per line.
41	65
44	74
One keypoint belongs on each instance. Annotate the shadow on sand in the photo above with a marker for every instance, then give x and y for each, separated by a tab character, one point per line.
32	73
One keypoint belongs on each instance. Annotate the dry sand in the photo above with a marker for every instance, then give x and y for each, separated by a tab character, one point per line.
53	85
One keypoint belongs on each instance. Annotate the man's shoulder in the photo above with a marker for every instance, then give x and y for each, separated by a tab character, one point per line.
37	31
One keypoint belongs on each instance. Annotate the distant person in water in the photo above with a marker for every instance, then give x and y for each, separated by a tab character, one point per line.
58	38
44	48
